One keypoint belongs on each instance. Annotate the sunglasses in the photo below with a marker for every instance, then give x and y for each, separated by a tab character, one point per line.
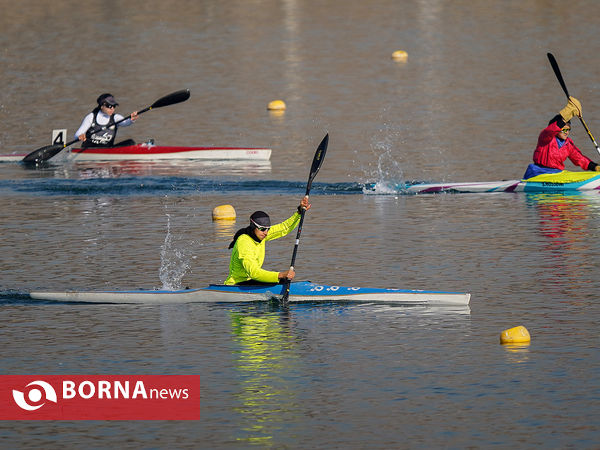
258	227
109	106
566	130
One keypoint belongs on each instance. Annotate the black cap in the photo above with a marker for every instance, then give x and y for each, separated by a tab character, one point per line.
108	99
556	118
260	218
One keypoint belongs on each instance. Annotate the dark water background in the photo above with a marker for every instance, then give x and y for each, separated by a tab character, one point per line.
467	105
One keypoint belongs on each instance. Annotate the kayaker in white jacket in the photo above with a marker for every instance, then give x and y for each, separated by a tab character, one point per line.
92	133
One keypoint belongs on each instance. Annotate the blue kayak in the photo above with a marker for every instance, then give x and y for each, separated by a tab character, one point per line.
301	291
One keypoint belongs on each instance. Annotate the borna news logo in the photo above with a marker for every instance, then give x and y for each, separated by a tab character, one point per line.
100	397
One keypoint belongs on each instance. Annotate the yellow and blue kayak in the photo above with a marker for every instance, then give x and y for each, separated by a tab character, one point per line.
564	181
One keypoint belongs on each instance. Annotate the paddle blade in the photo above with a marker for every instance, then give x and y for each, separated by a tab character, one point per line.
42	154
559	77
285	294
172	99
317	161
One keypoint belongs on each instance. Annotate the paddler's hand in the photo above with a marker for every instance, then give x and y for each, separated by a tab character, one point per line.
304	205
572	109
287	275
134	116
81	137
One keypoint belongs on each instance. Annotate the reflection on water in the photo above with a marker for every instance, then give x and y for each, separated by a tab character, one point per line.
566	223
266	356
224	228
445	312
563	219
516	353
274	356
116	169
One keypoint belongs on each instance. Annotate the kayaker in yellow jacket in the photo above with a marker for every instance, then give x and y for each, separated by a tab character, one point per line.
248	244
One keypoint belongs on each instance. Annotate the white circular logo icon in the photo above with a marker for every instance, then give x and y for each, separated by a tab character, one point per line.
34	396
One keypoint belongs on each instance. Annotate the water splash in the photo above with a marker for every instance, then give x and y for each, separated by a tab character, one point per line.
174	261
387	172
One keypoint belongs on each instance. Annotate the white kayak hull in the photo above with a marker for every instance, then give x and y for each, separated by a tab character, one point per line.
146	152
473	187
13	157
303	291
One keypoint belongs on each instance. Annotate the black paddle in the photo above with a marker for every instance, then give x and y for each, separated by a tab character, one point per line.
561	81
45	153
316	165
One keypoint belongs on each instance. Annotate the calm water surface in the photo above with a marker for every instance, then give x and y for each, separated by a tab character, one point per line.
466	106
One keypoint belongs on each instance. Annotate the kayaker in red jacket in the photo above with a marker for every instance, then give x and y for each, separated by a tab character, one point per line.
554	145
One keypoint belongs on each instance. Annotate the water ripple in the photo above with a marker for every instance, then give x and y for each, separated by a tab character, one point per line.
167	185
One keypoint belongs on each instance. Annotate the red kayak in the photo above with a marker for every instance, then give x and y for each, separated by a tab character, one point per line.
158	152
151	152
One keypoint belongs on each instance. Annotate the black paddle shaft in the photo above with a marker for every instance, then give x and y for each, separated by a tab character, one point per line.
45	153
561	81
316	165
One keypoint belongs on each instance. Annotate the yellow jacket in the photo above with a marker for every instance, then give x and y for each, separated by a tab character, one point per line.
247	255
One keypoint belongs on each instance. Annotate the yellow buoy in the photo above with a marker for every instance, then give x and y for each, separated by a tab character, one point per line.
400	55
276	105
515	335
223	212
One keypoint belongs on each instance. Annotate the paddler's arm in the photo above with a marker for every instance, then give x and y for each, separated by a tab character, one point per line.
266	276
247	249
579	159
86	123
258	273
283	228
573	109
126	123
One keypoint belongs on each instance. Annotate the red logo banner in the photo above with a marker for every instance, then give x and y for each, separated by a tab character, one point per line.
99	397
